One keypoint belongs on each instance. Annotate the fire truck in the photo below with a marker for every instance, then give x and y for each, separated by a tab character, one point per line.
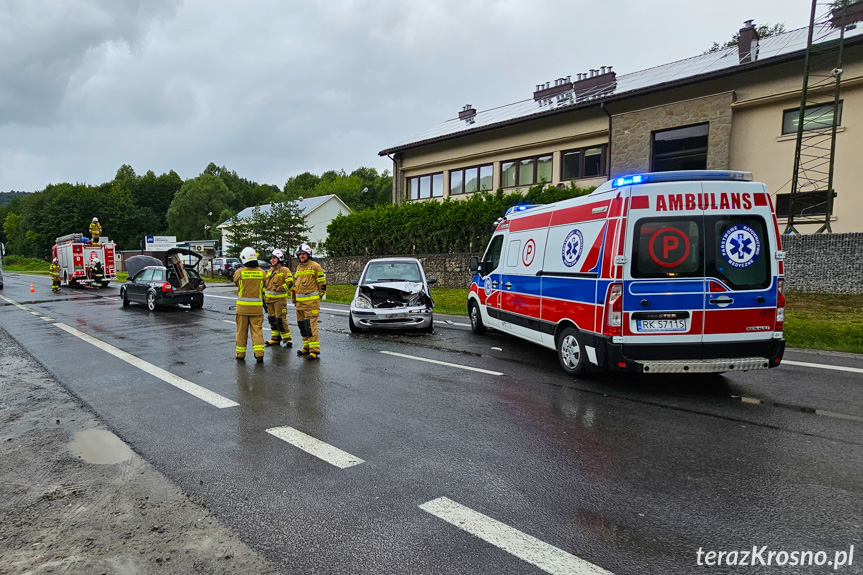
75	255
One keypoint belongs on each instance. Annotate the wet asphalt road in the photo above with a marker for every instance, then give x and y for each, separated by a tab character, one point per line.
631	474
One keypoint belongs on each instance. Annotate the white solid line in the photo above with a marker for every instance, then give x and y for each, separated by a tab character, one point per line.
530	549
442	322
316	447
822	366
192	388
221	296
15	303
442	363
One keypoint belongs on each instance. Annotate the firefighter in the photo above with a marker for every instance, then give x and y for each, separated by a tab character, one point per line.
55	275
250	316
309	285
97	273
278	282
95	231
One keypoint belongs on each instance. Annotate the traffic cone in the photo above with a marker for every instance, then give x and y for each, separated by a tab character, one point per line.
32	289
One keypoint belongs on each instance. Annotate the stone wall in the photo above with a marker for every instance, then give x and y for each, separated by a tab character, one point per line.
825	263
631	132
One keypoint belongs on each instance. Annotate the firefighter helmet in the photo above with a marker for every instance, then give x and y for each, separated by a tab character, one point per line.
96	220
278	254
306	249
95	260
248	254
54	261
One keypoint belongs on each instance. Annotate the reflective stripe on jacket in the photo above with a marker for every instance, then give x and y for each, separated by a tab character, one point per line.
277	283
250	282
309	279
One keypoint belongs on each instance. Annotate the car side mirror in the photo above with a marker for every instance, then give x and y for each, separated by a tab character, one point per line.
355	282
431	281
473	265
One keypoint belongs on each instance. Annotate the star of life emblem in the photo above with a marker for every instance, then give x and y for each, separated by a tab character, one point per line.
572	248
740	246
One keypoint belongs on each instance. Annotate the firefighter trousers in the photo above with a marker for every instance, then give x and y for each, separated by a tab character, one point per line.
245	324
307	320
277	309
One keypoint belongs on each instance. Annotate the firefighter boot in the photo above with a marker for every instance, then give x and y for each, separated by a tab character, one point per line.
275	338
313	355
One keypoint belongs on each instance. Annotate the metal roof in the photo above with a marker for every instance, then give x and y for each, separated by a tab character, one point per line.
769	51
306	206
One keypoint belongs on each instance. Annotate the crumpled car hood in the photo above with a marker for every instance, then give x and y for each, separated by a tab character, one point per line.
397	294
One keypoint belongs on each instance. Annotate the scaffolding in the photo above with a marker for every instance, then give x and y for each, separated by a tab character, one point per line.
812	193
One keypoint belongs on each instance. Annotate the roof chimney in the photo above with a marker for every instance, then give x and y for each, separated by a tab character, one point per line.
747	47
467	114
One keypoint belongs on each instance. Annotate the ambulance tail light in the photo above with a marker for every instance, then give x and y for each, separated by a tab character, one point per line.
780	304
166	287
613	310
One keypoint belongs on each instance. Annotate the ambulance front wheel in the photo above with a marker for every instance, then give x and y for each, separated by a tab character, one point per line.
570	352
476	324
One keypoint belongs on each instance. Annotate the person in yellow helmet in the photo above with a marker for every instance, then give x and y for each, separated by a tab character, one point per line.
309	285
55	275
95	231
277	285
250	316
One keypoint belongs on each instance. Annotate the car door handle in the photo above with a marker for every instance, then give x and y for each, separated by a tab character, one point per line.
507	285
494	284
722	301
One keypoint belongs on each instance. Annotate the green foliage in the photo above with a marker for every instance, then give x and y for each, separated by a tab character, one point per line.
361	189
7	197
450	226
764	31
25	264
196	207
282	226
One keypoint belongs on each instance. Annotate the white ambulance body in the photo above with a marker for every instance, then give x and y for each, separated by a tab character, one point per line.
656	273
74	257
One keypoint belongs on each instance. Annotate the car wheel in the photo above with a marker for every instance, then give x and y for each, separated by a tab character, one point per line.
476	324
354	327
106	283
570	352
151	301
125	297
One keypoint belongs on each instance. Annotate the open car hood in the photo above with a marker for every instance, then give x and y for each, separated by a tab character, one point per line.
407	287
384	295
135	264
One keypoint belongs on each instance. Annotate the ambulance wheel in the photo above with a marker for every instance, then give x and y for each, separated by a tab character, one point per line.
476	324
570	352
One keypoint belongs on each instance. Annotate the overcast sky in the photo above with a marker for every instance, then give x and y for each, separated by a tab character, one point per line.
274	88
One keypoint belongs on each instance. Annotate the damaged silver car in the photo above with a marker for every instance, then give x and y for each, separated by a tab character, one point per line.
392	293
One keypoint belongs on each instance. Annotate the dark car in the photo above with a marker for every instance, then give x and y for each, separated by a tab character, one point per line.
157	284
392	293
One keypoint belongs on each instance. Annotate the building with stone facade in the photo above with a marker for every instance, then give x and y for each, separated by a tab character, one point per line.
736	108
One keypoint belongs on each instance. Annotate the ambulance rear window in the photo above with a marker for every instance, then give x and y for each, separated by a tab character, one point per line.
739	254
667	247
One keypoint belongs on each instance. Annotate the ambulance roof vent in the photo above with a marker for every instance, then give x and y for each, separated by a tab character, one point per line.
681	176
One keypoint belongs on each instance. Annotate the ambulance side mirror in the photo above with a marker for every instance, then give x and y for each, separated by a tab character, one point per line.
473	265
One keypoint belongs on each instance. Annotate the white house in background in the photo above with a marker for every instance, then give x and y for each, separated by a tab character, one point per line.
317	212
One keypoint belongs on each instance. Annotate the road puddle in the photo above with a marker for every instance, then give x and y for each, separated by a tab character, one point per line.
100	447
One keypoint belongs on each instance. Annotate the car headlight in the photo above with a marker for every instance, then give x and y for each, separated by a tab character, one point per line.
362	302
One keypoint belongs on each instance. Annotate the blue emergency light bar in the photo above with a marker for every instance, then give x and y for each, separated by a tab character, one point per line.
682	176
520	208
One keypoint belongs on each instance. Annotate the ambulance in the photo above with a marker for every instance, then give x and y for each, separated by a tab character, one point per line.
666	272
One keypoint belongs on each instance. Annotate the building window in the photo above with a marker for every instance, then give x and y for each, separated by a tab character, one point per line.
469	180
805	204
680	149
525	171
583	163
816	117
423	187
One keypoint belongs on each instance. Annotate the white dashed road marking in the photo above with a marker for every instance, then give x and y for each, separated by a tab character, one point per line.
191	388
316	447
443	363
547	557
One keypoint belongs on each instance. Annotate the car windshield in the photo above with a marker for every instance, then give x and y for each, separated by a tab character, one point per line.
393	272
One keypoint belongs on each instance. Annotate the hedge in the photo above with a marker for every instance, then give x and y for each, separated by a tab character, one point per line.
433	227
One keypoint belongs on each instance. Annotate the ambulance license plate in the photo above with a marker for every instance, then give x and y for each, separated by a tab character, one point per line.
650	325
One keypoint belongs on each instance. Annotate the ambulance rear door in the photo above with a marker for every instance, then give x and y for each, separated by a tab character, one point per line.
741	272
663	284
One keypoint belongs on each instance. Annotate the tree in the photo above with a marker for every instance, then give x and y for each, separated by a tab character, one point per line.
764	31
282	226
300	186
196	207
